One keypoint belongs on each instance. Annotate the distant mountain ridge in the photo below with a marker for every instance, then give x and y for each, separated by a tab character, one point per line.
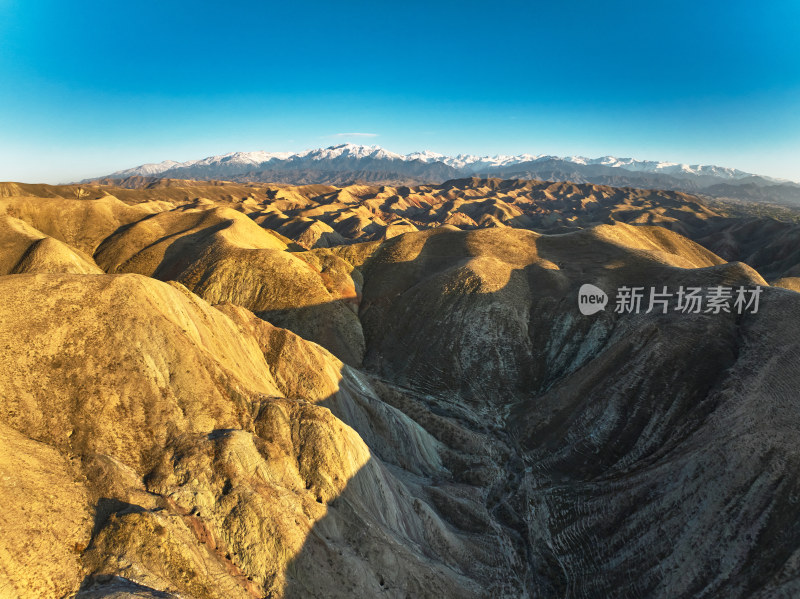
347	163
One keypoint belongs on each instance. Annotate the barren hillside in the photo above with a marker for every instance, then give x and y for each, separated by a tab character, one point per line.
221	390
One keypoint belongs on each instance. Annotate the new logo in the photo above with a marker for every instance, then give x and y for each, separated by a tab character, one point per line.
591	299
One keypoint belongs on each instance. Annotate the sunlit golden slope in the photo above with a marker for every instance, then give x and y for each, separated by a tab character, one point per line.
210	390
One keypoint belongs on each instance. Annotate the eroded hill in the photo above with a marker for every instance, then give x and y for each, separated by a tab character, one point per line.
267	391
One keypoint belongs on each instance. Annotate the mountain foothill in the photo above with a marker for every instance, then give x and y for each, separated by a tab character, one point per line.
222	389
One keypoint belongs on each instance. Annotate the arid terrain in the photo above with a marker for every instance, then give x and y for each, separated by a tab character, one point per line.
222	390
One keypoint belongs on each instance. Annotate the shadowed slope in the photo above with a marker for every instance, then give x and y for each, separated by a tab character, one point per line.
644	464
673	476
473	312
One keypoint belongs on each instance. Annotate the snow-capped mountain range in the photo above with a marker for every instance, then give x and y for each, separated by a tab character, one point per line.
347	163
236	161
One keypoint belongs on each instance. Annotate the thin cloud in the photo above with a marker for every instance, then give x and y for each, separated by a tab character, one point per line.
355	135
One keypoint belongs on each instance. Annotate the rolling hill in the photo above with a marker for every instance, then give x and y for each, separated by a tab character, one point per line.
220	390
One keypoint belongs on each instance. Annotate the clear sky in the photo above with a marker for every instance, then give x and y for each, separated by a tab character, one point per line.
89	87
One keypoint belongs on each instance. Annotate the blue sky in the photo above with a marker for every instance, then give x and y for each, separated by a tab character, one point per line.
89	87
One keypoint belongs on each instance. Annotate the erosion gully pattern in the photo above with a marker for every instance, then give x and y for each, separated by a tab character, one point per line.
222	390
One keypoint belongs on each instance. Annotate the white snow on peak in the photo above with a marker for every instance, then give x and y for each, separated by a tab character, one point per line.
650	166
470	160
246	161
425	156
148	169
349	150
233	158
